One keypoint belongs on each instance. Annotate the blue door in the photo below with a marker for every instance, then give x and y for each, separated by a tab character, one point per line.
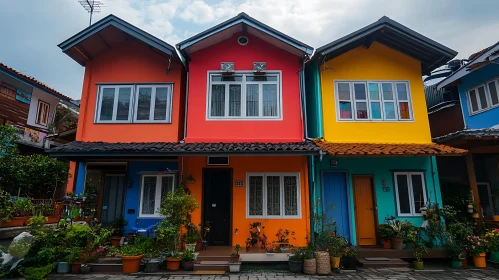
335	199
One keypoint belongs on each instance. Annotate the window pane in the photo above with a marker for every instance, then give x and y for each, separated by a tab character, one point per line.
344	91
161	103
261	78
148	195
123	104
387	91
226	78
483	192
269	100
360	91
256	195
402	91
373	91
483	97
107	104
493	93
403	192
217	100
290	196
417	191
273	195
376	110
389	110
345	110
235	100
361	108
166	186
144	103
404	110
252	100
474	101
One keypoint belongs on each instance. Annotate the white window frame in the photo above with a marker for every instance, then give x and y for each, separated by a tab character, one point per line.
264	194
411	193
132	109
488	96
42	105
157	200
368	100
243	84
215	164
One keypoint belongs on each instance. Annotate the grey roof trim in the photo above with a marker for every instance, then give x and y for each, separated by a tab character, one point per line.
478	133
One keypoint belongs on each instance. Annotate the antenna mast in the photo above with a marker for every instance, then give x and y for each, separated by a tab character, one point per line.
92	6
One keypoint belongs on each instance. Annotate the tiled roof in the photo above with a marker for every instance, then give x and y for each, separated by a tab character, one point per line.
475	133
158	148
36	82
477	54
368	149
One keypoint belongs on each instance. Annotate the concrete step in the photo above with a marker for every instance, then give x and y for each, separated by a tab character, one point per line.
213	258
211	266
375	262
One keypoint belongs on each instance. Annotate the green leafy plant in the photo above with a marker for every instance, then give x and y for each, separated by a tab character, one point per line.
188	256
236	248
118	226
336	246
476	245
23	207
283	235
35	224
454	250
420	252
38	273
192	235
298	254
130	250
459	232
492	236
6	206
386	231
350	252
72	254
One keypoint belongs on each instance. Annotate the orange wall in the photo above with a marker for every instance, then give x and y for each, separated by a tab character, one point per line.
130	62
241	165
71	177
289	129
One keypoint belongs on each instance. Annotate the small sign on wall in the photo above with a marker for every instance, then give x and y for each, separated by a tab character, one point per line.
333	163
239	183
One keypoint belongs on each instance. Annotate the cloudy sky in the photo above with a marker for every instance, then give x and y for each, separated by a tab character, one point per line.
30	30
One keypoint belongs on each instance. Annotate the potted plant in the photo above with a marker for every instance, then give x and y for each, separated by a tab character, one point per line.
89	255
295	261
235	256
270	251
309	262
188	260
454	252
386	233
419	252
459	233
131	256
235	264
118	230
191	237
397	241
349	258
152	260
492	237
477	247
6	209
73	258
335	250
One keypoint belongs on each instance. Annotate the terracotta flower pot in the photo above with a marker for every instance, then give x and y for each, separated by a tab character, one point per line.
495	218
387	243
173	264
52	220
75	267
131	264
479	260
115	241
397	243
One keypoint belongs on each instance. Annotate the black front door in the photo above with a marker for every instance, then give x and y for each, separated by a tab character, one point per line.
113	198
217	193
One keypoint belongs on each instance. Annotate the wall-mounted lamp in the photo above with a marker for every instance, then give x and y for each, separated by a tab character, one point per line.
237	231
190	179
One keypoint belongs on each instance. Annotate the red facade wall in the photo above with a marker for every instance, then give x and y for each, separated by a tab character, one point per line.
199	129
131	62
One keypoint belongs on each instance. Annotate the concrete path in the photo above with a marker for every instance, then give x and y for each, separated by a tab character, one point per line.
362	274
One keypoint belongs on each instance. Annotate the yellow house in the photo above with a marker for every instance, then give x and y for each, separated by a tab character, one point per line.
366	107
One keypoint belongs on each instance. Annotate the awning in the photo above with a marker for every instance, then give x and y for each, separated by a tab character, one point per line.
82	150
381	149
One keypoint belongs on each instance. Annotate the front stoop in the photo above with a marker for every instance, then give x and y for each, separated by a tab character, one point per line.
212	266
382	262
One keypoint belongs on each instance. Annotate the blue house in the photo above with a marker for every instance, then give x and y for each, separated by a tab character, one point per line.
476	88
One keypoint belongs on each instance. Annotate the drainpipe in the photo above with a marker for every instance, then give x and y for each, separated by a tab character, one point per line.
186	107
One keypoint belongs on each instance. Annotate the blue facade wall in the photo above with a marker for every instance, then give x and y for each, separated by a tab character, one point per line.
484	119
132	200
382	169
80	178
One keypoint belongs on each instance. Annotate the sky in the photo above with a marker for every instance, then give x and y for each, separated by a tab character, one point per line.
30	30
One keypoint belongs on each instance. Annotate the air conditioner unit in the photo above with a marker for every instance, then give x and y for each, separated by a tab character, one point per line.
259	67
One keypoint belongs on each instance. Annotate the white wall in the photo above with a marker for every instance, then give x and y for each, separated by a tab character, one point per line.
40	95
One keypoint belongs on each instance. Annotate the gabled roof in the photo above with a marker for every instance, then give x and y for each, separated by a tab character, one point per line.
478	59
396	36
237	24
107	33
35	83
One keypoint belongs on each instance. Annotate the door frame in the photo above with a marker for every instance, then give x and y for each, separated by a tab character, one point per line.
375	205
349	196
231	171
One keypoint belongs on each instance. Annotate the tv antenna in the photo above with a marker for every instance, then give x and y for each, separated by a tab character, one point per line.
92	7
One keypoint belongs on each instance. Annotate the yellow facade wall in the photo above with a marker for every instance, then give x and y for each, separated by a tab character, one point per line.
240	165
378	62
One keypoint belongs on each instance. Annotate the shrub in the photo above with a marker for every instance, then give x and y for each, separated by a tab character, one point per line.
130	250
36	223
39	273
298	254
118	226
492	237
188	256
476	245
386	231
6	206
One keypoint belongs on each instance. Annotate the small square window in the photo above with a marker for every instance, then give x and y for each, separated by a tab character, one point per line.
42	113
218	161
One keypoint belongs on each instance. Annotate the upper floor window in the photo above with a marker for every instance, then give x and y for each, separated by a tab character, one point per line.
483	97
134	103
244	96
373	101
42	113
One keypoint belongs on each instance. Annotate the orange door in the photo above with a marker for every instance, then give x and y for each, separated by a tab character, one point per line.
364	210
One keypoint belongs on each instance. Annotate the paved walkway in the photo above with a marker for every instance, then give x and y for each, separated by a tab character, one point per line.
362	274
